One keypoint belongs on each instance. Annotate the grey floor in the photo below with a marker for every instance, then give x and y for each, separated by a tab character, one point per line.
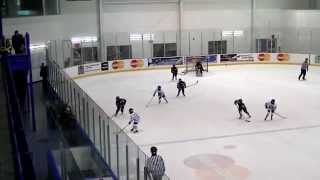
43	139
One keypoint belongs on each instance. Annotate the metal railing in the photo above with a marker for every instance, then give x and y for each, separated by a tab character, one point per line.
124	157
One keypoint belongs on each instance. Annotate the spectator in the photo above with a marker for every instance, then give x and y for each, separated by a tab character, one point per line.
8	46
44	75
155	165
18	43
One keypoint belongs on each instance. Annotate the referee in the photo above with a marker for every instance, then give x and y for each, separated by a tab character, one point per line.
155	165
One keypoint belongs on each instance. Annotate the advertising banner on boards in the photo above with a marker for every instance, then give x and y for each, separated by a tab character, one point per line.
194	59
264	57
212	58
283	57
92	67
165	61
244	57
116	65
127	64
137	63
105	66
228	58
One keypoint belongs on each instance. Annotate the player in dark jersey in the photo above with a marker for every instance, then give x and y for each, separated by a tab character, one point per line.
174	72
120	103
181	85
199	68
241	107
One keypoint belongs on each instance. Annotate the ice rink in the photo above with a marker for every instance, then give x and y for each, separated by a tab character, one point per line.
200	135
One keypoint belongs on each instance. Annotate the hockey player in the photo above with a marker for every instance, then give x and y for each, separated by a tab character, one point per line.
181	85
241	107
199	68
304	69
135	119
271	107
174	72
160	94
120	103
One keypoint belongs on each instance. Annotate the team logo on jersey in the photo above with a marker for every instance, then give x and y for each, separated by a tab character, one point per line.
264	57
283	57
136	63
117	65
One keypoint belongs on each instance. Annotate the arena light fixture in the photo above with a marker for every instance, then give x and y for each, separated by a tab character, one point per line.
135	37
76	40
148	36
37	46
236	33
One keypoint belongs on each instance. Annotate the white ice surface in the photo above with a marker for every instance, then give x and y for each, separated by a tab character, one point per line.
206	120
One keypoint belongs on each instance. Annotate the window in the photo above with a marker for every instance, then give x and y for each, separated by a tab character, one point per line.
15	8
89	54
171	49
83	55
165	50
266	45
139	37
217	47
119	52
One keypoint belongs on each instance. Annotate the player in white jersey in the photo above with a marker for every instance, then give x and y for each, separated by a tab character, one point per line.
161	94
135	119
271	108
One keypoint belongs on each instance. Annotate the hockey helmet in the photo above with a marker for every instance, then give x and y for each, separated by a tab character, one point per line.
273	101
153	149
131	110
117	97
159	87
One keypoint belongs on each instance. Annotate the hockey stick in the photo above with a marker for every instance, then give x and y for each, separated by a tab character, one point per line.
182	73
147	105
122	129
193	84
113	115
283	117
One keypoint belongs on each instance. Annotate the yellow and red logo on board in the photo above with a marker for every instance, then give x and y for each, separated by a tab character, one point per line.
264	57
117	65
283	57
137	63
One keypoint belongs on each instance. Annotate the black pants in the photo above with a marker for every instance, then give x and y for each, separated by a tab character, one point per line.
157	177
243	110
119	108
179	90
174	76
45	85
303	74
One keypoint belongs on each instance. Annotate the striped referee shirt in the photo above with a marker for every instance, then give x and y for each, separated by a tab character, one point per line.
155	165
